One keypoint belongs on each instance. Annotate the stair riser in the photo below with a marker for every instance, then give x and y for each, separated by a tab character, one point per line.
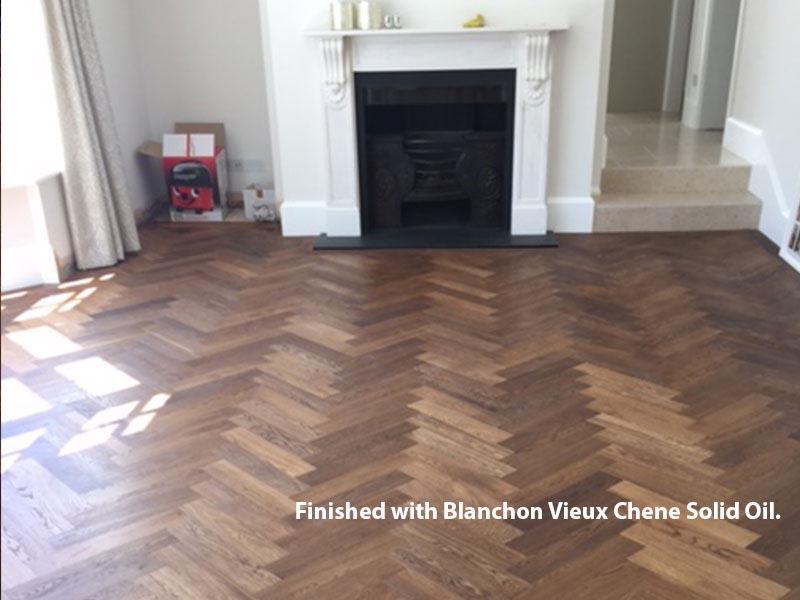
678	180
679	218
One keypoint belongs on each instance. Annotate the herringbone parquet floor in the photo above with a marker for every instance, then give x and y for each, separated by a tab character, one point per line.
161	418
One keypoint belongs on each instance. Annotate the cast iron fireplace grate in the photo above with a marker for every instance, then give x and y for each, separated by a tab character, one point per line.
435	149
435	155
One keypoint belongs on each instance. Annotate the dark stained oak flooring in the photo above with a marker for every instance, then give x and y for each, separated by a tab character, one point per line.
161	417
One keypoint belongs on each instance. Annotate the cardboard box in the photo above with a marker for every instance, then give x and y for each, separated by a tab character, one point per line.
194	163
259	204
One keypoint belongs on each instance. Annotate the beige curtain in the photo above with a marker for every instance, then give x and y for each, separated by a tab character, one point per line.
98	204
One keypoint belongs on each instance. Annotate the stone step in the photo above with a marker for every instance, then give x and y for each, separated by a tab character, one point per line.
665	180
719	211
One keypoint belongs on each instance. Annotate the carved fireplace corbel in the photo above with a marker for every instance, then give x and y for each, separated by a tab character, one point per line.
537	68
335	70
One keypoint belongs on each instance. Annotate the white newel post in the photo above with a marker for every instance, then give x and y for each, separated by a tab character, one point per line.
528	51
341	148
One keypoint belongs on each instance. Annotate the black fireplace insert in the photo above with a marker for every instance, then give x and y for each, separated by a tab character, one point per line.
435	150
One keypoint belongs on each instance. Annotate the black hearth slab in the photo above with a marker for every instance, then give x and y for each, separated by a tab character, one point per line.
424	239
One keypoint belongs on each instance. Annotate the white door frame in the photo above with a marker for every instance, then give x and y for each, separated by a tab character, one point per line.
677	55
711	67
736	56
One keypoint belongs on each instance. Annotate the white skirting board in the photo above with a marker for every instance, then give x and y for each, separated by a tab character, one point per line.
750	143
28	266
570	214
562	215
791	258
529	219
303	219
343	221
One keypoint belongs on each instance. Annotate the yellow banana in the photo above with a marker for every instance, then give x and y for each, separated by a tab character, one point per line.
478	21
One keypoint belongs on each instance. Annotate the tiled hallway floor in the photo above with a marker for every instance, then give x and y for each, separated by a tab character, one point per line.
651	139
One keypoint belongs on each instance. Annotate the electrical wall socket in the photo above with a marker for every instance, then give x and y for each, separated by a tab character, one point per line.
246	165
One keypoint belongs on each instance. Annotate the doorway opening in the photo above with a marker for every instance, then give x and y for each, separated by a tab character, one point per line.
669	81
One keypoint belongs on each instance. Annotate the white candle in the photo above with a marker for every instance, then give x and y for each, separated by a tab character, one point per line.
342	14
369	15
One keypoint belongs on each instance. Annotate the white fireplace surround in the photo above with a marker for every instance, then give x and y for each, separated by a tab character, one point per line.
528	50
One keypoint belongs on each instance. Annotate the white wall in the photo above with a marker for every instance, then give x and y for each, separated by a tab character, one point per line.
36	247
120	55
764	123
576	83
184	60
19	244
31	136
639	55
202	60
714	31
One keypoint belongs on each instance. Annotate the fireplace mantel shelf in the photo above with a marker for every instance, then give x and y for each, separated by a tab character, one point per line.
346	33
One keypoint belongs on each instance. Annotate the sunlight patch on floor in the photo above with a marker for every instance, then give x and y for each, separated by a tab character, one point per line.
142	421
11	447
138	424
39	312
53	299
96	376
76	283
68	306
43	342
6	462
156	402
110	415
62	302
17	443
88	439
100	428
19	401
13	296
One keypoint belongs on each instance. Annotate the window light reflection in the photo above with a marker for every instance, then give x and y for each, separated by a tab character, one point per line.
54	299
156	402
35	313
110	415
77	283
43	342
96	376
88	439
19	401
17	443
13	296
139	423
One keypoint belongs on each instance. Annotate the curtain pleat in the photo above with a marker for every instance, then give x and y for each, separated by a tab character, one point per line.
98	204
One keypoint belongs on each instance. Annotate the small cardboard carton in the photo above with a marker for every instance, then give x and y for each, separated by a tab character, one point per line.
259	204
193	161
